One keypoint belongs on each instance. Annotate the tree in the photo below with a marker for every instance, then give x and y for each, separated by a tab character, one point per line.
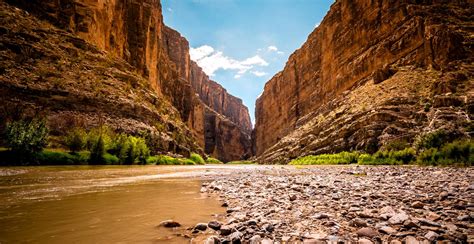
97	152
76	140
26	138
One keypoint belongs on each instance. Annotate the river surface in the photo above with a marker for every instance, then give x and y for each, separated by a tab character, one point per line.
120	204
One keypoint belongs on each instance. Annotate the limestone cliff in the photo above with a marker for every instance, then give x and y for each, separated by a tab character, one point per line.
371	73
112	31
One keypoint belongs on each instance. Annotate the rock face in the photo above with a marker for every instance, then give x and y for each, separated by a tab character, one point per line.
371	73
134	31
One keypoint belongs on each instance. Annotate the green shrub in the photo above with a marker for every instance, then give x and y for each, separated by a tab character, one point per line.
396	145
404	156
47	157
211	160
338	158
97	152
76	140
455	153
110	159
168	160
26	138
433	139
196	158
132	150
241	162
93	136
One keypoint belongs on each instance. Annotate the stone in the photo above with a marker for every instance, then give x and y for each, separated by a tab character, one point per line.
364	241
212	240
169	223
293	197
268	227
431	236
433	216
226	230
367	232
214	225
236	237
388	230
200	227
256	239
417	204
411	240
358	223
398	218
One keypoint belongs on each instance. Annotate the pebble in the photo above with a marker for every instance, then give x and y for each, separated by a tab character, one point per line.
367	232
169	223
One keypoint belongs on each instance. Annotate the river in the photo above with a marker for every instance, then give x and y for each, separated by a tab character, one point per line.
120	204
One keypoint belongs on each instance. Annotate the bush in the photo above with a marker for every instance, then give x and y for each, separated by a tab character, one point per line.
97	152
93	136
196	158
433	139
211	160
76	140
110	159
131	150
241	162
338	158
455	153
47	157
168	160
404	156
26	138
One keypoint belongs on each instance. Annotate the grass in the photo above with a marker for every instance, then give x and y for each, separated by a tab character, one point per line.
196	158
168	160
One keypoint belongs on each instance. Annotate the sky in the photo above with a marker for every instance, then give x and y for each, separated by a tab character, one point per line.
241	44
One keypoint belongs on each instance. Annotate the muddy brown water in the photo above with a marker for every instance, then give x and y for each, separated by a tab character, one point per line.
83	204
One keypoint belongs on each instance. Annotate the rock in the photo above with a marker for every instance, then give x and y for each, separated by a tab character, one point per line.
410	224
431	236
212	240
226	230
443	195
266	241
235	237
358	223
268	227
395	242
388	230
433	216
256	239
364	241
417	204
411	240
428	222
367	232
200	226
169	223
214	225
251	222
293	197
398	218
320	216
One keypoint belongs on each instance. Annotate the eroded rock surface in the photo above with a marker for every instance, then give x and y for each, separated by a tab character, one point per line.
350	203
371	73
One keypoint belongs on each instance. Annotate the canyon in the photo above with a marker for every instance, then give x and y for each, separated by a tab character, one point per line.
87	63
372	73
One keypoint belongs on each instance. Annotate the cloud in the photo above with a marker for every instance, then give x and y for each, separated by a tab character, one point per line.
272	48
280	52
211	60
200	52
169	9
259	73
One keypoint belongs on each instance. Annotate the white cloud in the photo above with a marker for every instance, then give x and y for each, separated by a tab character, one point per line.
272	48
200	52
169	9
211	61
259	73
280	52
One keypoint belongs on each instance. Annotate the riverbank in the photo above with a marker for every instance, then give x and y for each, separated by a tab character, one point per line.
346	203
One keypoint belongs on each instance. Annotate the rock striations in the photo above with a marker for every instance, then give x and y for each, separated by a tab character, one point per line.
373	72
115	62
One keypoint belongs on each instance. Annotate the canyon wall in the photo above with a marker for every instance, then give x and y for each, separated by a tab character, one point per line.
134	31
371	73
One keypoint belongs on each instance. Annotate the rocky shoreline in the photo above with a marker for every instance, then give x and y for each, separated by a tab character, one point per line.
332	204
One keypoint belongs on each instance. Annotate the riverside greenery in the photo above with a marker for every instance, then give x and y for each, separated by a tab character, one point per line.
459	153
27	140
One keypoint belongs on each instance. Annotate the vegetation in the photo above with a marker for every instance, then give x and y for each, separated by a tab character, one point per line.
241	162
168	160
211	160
338	158
76	140
404	156
196	158
455	153
26	138
434	139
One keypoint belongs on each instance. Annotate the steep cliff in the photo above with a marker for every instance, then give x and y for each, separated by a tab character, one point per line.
132	31
371	73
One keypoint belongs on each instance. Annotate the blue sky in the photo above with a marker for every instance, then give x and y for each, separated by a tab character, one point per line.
241	44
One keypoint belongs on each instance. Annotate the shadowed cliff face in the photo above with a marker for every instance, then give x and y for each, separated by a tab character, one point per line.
134	31
372	72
